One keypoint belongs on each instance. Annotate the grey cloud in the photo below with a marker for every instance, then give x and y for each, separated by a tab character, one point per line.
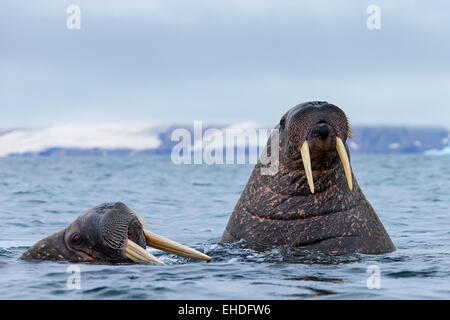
227	61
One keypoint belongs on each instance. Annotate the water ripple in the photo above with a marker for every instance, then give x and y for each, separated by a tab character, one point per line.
191	205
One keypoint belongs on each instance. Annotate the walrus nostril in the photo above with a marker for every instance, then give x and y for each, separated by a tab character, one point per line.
321	131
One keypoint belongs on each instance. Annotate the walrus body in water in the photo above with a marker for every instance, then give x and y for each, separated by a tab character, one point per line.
108	233
313	201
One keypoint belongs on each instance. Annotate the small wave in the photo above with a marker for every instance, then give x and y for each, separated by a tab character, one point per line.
411	274
316	279
243	251
310	292
12	252
199	184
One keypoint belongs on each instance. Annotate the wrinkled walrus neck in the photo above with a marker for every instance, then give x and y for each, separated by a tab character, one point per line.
291	198
280	210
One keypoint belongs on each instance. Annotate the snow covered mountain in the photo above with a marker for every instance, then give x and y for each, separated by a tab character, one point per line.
131	139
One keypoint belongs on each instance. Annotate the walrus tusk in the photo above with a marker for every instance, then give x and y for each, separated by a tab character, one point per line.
345	162
159	242
138	254
307	164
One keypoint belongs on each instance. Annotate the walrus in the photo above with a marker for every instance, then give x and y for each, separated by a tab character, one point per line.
313	201
108	233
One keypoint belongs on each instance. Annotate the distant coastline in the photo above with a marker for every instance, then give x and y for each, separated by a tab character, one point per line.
119	140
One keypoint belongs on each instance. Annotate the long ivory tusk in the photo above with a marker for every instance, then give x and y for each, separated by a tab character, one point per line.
307	164
136	253
159	242
345	162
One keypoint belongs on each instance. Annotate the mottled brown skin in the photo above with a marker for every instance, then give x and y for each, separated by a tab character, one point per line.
281	210
97	235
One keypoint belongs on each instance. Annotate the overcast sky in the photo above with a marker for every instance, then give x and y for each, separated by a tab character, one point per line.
222	61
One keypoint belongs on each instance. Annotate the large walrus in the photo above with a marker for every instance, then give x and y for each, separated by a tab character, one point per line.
313	201
108	233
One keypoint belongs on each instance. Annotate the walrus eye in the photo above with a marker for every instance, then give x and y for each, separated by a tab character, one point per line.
76	239
282	123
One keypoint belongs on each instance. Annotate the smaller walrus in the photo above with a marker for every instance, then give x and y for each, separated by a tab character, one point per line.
313	201
108	233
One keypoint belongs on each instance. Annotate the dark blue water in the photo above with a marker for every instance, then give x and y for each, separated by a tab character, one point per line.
191	204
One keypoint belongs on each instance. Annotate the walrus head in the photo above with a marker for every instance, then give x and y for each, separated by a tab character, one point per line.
314	133
108	233
313	201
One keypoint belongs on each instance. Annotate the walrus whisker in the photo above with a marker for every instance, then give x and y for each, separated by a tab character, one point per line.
159	242
306	159
345	162
138	254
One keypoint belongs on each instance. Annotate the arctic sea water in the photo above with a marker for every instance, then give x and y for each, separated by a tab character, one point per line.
191	204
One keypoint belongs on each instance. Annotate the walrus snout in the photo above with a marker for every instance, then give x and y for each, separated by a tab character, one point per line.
322	142
316	132
321	130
